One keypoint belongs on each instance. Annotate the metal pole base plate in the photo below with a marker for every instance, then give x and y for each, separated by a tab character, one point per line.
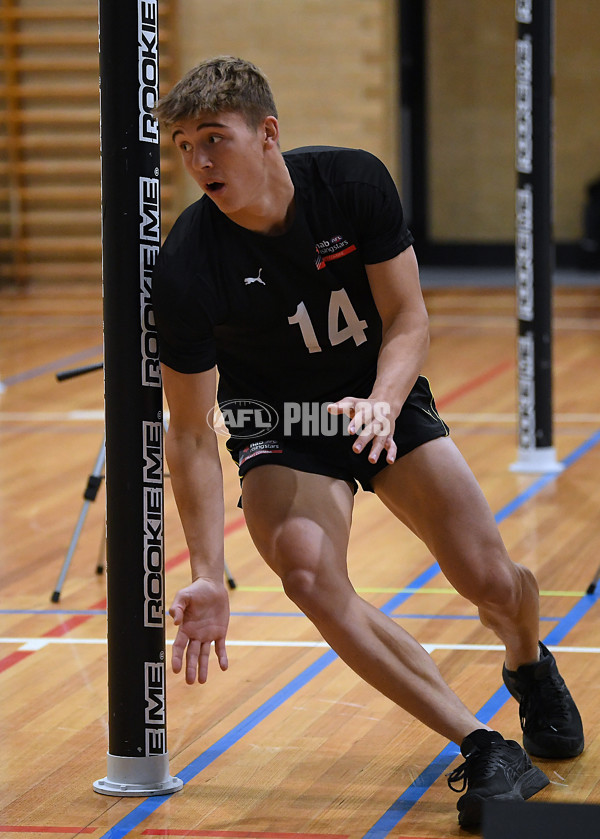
537	461
138	776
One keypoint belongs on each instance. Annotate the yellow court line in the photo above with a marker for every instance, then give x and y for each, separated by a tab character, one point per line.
383	590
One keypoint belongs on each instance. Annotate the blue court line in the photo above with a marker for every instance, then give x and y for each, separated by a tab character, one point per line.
421	784
396	615
429	775
407	616
544	480
148	806
52	366
52	611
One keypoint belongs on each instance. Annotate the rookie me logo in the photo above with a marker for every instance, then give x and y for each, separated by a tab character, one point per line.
148	69
249	418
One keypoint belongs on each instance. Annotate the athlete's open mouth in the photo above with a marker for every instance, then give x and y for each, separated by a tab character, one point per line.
214	186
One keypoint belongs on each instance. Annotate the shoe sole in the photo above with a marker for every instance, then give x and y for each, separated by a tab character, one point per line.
527	785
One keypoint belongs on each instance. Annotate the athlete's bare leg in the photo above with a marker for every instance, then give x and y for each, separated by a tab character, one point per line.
434	492
300	524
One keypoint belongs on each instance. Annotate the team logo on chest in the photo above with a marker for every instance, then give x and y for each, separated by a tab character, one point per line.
330	249
250	280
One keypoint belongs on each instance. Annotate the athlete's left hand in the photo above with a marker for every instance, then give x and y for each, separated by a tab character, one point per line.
372	422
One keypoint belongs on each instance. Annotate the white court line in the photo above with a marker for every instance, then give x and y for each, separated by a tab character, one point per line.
34	644
51	416
593	419
98	416
476	321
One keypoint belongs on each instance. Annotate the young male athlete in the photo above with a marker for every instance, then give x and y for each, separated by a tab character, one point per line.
294	276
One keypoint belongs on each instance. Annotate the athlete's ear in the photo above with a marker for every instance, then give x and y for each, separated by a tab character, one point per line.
271	132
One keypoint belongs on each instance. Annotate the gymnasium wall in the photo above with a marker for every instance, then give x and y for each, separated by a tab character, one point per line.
471	117
333	66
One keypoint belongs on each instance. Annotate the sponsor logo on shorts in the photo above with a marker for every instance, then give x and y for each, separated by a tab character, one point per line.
259	447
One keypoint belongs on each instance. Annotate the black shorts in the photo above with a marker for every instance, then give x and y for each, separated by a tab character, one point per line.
333	456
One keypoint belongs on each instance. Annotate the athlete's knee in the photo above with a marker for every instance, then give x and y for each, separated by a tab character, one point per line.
508	590
324	598
301	585
310	564
489	576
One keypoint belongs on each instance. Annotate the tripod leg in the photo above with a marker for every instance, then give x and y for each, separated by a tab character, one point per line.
101	563
89	495
592	586
230	581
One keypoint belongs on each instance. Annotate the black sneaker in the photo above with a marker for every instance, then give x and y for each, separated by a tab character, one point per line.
549	717
493	768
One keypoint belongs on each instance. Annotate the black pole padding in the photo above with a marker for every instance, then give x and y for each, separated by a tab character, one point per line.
412	20
130	188
535	248
137	754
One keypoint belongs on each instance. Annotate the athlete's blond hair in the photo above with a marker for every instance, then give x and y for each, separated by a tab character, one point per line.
224	83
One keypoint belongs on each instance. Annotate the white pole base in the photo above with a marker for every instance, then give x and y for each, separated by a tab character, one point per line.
137	776
537	461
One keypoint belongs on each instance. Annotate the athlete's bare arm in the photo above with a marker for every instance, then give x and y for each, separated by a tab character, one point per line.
200	610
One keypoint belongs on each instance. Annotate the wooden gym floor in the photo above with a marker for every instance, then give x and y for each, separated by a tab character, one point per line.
288	744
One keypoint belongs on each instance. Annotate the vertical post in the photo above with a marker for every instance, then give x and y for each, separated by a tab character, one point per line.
138	761
534	246
413	75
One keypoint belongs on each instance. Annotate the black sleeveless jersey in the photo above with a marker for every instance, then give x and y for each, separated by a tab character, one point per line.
286	318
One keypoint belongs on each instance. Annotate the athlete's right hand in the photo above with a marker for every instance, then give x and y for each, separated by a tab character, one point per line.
201	613
372	422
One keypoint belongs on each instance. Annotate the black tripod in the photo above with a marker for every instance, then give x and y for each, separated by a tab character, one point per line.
592	586
90	492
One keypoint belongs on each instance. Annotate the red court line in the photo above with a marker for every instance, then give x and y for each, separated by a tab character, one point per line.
472	384
463	389
76	620
13	658
73	622
237	523
55	632
24	828
241	834
185	554
234	525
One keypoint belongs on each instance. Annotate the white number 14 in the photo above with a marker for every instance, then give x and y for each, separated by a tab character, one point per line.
339	302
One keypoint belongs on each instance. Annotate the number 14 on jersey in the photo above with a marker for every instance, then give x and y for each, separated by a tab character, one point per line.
339	302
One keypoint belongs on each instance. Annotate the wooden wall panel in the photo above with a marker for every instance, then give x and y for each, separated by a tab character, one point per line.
471	117
332	66
50	139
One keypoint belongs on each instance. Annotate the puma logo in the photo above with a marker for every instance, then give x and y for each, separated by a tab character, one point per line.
248	280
